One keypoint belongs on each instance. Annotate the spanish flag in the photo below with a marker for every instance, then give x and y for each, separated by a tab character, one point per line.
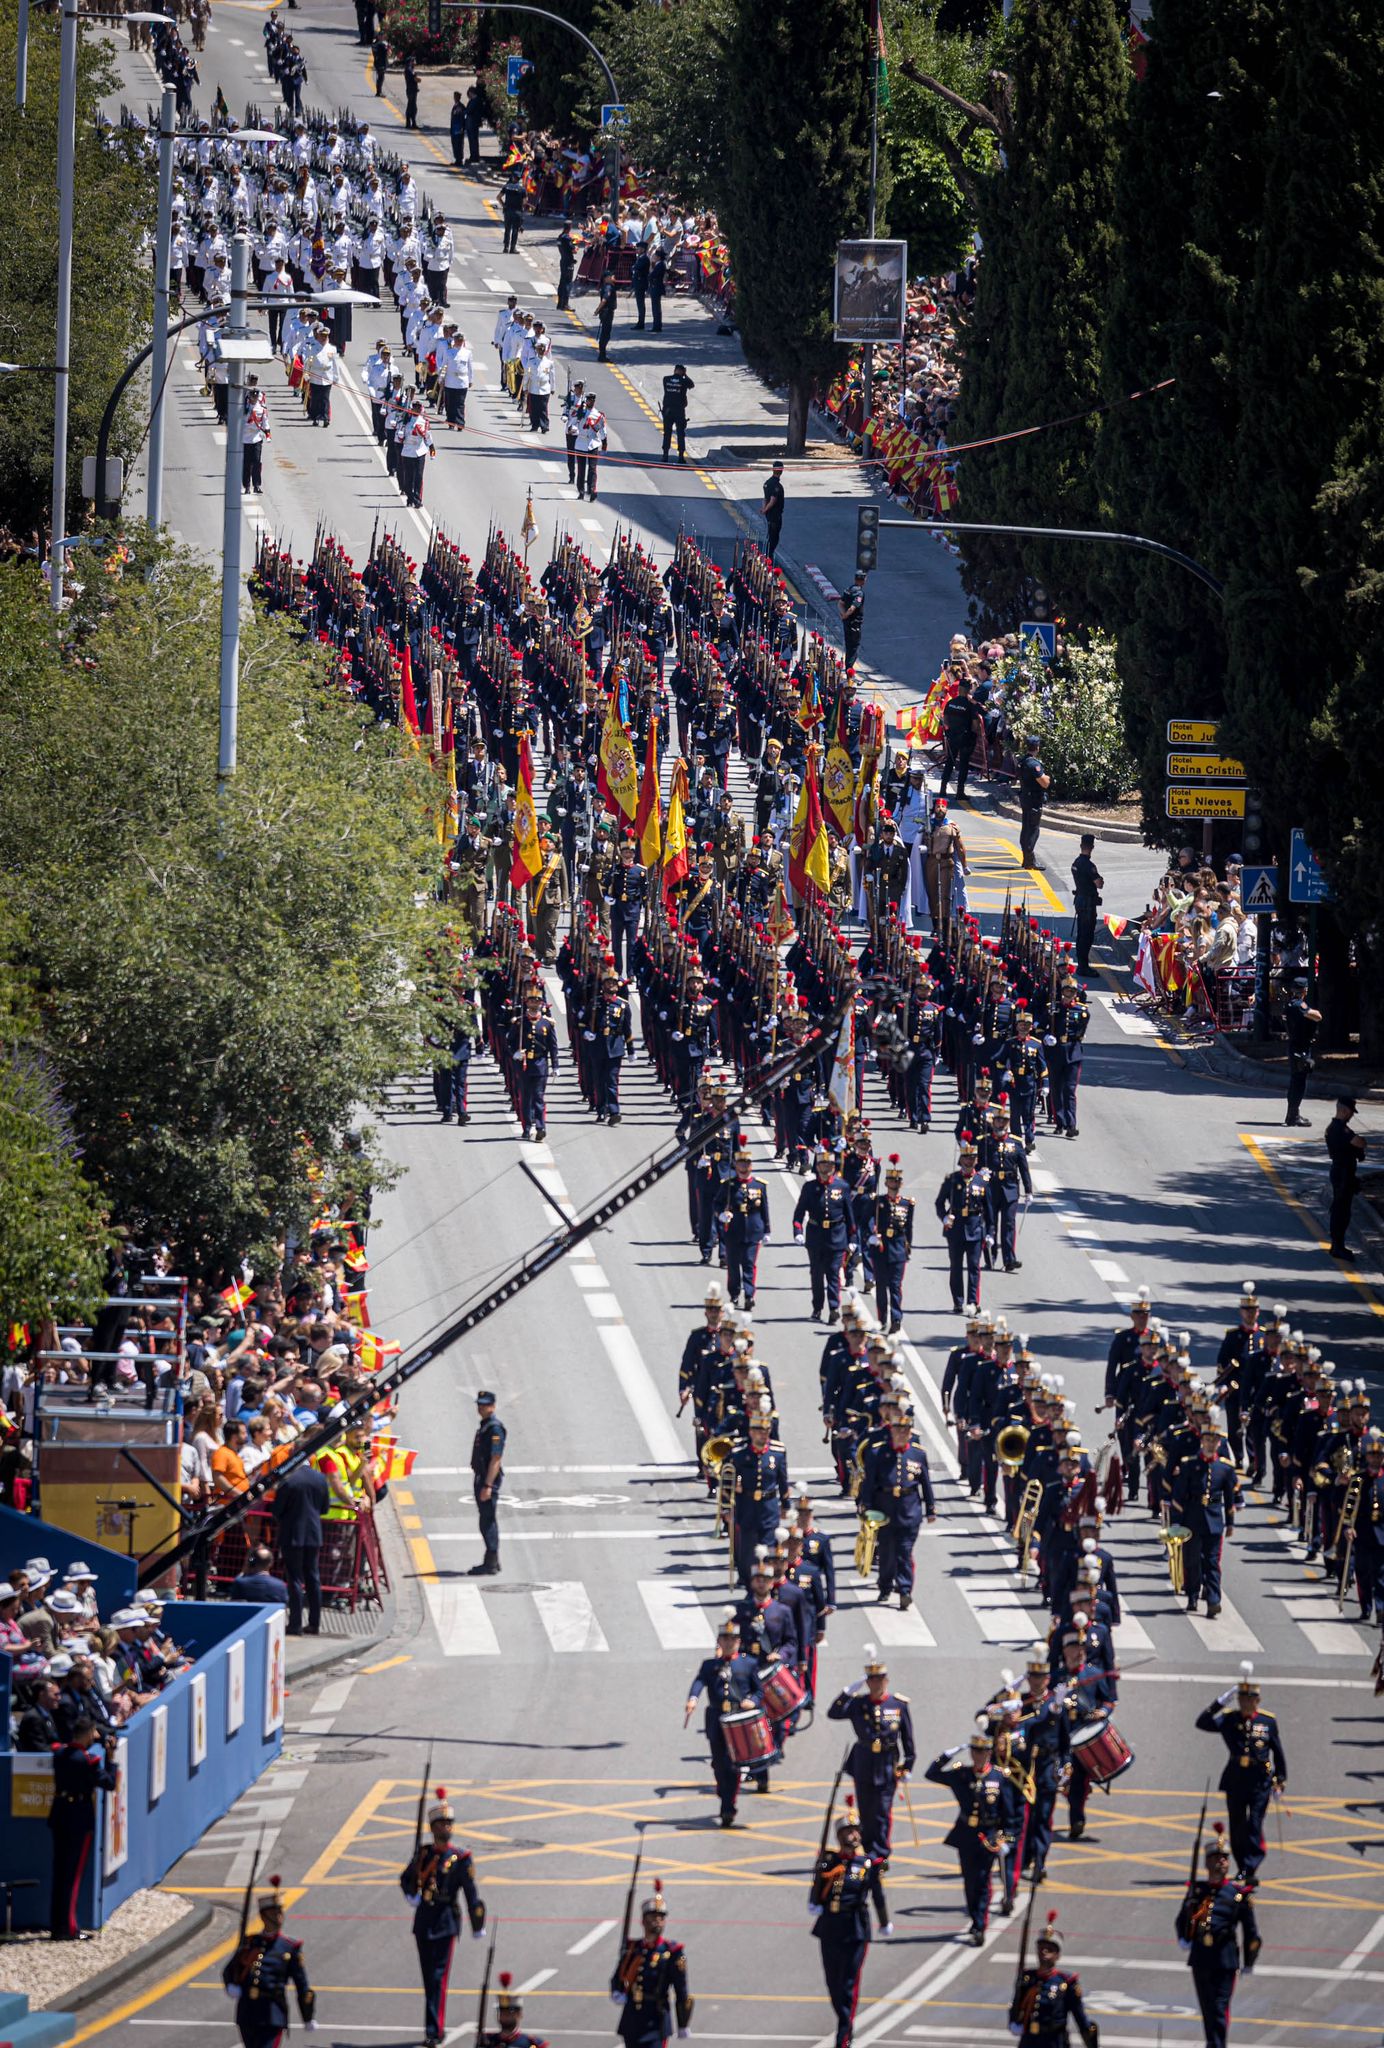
1116	926
526	859
236	1296
449	819
374	1350
809	856
354	1259
388	1460
839	777
357	1308
406	696
647	822
675	858
617	778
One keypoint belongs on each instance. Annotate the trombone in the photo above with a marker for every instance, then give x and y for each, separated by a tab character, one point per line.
716	1459
1025	1522
1345	1527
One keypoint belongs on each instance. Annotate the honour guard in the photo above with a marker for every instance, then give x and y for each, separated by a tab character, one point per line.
535	1052
1046	1999
82	1767
963	1202
745	1223
895	1480
891	1243
1255	1769
1006	1162
822	1219
883	1752
510	2032
1206	1498
844	1885
984	1799
761	1489
731	1683
650	1982
436	1875
258	1975
1212	1921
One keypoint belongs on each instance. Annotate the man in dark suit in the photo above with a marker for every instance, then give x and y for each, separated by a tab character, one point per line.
300	1500
257	1583
1346	1149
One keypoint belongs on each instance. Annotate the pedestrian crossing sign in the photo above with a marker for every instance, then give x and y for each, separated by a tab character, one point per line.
1039	636
1258	889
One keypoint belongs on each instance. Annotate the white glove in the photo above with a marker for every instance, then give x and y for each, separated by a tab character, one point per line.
1050	1039
814	1912
677	1038
232	1990
1226	1697
618	1997
478	1934
887	1930
1016	2029
411	1898
589	1035
1183	1944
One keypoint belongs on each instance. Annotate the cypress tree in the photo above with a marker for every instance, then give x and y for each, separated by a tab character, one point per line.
1188	213
798	89
1033	344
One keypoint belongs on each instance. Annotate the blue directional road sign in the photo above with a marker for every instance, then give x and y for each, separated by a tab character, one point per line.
1258	889
1307	882
517	70
1044	632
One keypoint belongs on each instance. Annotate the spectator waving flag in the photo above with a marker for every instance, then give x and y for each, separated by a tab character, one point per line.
236	1296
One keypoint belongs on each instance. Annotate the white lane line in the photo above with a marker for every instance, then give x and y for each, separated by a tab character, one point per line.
1229	1631
568	1618
1134	1021
597	1934
589	1276
1316	1614
1210	1678
539	1977
333	1697
899	1628
497	284
555	1536
1174	1964
602	1304
999	1612
1131	1633
592	525
1111	1272
637	1384
678	1617
1366	1947
462	1624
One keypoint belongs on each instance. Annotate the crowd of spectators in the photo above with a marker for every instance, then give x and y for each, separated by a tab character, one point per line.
72	1664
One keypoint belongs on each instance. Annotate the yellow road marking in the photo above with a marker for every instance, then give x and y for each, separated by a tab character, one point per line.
174	1981
1308	1220
424	1562
348	1831
388	1664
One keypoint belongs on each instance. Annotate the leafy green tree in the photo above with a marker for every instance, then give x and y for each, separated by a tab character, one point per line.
566	89
224	984
666	64
114	203
1033	343
1188	221
1074	703
935	163
797	84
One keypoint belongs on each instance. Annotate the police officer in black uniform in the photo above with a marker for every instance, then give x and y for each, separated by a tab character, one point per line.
1087	883
435	1877
844	1885
675	389
487	1478
1303	1025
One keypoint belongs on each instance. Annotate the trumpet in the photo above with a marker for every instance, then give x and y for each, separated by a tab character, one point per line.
1345	1527
1025	1521
872	1520
1174	1536
1010	1445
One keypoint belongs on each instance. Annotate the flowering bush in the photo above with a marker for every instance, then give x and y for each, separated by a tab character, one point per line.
406	26
1074	703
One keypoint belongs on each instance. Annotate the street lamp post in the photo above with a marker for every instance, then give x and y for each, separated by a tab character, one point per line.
236	329
168	122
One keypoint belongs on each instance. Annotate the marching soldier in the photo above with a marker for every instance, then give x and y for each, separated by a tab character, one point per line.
761	1490
844	1885
730	1681
613	1029
1205	1498
1045	1730
549	899
1212	1921
1046	1999
883	1752
745	1223
650	1982
822	1219
897	1483
509	2006
1023	1071
626	892
891	1242
1255	1770
816	1550
962	1205
1006	1163
1241	1343
984	1800
534	1047
259	1973
700	1360
435	1876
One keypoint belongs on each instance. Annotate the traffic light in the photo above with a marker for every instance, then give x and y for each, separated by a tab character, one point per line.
866	539
1253	845
434	17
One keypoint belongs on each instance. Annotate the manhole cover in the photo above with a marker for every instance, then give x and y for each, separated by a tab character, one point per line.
526	1842
349	1756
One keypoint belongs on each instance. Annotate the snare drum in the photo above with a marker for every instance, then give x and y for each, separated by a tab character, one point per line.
749	1738
782	1690
1102	1752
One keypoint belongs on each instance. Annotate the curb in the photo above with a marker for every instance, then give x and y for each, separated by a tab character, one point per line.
1073	821
111	1979
336	1649
1229	1064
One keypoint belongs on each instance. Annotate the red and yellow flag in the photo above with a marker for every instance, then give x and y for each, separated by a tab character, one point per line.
809	854
236	1296
838	778
617	777
781	925
374	1350
406	695
357	1308
675	858
526	858
647	823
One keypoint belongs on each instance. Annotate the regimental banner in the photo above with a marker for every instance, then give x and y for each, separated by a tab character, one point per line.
870	299
1205	768
1206	803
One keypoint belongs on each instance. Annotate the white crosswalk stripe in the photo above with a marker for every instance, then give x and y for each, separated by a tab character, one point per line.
568	1617
679	1619
463	1625
1000	1613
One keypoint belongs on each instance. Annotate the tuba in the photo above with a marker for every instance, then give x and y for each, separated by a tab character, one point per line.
1174	1537
872	1520
1010	1445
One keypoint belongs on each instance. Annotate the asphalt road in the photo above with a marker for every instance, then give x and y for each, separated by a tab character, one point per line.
554	1694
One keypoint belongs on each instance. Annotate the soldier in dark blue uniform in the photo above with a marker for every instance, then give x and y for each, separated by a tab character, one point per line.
1255	1768
510	2033
962	1205
891	1243
1006	1162
435	1877
487	1477
844	1884
626	891
745	1222
985	1802
82	1767
761	1492
1046	1999
1046	1740
613	1028
650	1982
700	1356
1065	1046
822	1219
259	1973
534	1047
816	1548
1205	1498
1023	1071
1212	1921
730	1681
883	1752
1235	1373
1122	1367
897	1483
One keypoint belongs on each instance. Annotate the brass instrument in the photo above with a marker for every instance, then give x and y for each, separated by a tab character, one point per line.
715	1451
725	1491
1023	1781
1157	1451
1025	1521
857	1471
1010	1445
1174	1536
872	1520
1350	1515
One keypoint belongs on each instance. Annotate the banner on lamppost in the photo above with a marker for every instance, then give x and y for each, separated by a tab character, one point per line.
870	298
